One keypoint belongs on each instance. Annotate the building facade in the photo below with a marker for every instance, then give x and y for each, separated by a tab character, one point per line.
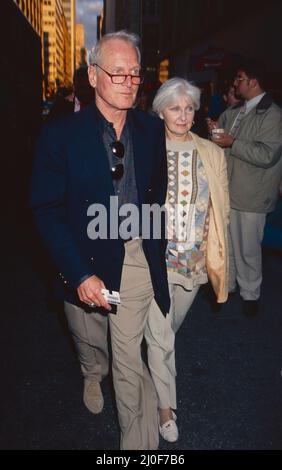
199	40
56	44
70	14
32	10
203	40
121	14
21	102
80	51
141	17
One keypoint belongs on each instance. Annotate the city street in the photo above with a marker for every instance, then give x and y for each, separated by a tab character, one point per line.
229	367
100	140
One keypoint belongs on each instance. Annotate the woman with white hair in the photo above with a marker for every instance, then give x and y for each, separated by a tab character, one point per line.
197	216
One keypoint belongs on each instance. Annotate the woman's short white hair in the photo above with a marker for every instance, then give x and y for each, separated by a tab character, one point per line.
173	89
131	38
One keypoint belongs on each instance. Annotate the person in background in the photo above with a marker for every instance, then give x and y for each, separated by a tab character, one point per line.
230	99
107	150
67	103
229	96
253	147
198	209
216	105
200	124
83	93
143	101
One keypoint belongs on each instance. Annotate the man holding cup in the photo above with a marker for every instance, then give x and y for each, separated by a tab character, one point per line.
252	140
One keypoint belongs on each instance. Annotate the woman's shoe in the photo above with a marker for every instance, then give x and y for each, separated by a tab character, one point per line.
169	430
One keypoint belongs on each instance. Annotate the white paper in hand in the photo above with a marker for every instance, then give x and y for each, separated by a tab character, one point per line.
112	297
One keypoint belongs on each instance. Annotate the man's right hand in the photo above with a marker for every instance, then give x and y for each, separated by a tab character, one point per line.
89	292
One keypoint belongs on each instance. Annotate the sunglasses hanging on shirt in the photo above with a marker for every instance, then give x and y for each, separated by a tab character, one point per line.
117	171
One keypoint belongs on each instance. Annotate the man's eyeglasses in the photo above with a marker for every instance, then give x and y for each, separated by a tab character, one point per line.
119	79
118	151
240	79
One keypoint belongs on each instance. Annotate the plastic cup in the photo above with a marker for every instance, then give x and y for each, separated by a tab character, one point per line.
217	133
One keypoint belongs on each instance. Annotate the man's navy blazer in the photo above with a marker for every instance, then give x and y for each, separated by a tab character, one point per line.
71	172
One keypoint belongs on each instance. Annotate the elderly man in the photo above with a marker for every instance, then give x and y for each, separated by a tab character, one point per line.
253	143
106	151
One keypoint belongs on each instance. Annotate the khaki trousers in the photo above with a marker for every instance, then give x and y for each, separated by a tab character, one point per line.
160	337
135	392
245	263
89	331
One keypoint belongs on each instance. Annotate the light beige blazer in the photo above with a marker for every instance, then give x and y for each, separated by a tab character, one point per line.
214	163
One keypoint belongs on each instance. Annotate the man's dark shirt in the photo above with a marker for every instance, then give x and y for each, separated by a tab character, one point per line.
125	188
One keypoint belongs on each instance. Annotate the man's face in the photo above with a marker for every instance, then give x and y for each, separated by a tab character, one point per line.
242	85
118	57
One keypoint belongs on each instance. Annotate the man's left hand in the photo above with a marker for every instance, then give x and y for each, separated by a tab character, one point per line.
225	140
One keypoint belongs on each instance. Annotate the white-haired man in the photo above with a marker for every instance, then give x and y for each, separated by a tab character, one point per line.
106	150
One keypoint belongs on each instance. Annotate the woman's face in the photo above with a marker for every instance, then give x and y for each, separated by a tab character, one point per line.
178	117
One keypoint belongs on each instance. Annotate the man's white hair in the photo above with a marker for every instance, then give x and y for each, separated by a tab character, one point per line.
97	51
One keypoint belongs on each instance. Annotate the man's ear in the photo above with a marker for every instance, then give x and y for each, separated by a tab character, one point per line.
255	83
92	75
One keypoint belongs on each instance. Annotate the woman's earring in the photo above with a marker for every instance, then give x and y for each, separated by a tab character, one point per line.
193	122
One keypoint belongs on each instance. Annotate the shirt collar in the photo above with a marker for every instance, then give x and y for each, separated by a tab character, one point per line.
107	124
253	102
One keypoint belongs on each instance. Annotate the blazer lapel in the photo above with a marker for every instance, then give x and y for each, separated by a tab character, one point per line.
143	159
95	158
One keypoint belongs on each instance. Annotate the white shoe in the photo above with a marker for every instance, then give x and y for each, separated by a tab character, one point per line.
169	430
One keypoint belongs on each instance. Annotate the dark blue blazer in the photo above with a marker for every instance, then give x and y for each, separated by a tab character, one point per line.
71	172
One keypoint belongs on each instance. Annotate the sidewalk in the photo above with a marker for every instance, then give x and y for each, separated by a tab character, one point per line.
229	371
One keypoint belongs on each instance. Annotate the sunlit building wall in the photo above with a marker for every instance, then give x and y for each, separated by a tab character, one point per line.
163	70
67	55
57	59
70	14
32	9
100	20
80	51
